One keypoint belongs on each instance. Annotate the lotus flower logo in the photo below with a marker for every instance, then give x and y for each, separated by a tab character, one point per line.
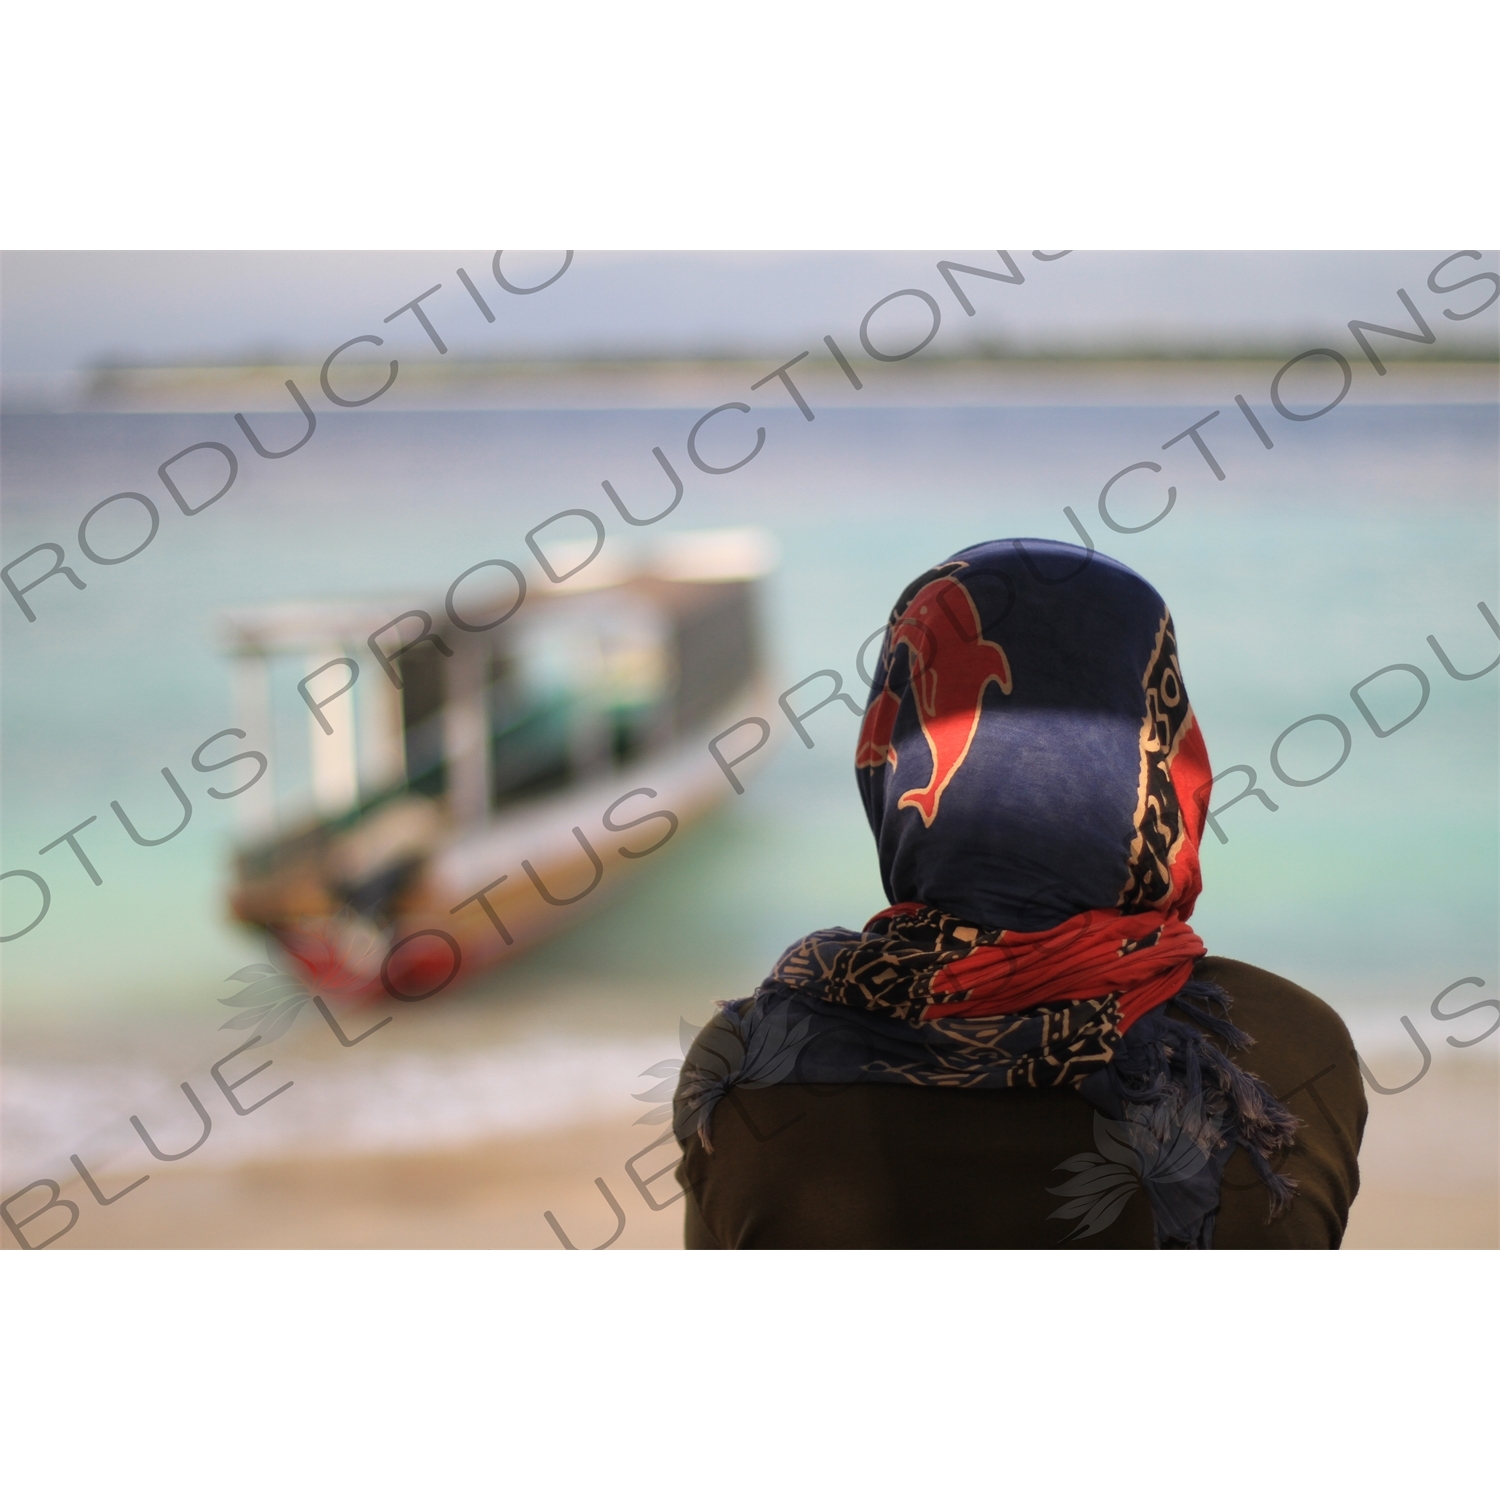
667	1070
753	1049
1130	1157
336	955
271	996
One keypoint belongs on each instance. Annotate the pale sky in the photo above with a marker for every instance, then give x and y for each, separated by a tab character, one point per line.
62	311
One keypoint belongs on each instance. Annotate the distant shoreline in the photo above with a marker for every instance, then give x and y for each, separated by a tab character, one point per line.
667	384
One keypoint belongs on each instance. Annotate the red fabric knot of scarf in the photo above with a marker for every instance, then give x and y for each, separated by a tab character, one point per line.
1145	958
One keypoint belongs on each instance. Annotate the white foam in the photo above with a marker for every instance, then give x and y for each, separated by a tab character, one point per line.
390	1102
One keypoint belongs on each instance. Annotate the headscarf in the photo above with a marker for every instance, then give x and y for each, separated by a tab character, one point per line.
1037	786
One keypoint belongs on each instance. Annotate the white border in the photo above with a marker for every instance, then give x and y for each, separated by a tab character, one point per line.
796	1374
789	123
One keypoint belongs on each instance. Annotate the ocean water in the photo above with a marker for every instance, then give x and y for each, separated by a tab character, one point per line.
1309	568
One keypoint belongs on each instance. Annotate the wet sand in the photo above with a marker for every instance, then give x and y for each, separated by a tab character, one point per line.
1430	1167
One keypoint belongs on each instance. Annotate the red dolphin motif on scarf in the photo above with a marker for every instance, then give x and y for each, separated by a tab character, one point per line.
951	666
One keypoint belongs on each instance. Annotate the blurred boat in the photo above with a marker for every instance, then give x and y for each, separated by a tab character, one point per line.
406	836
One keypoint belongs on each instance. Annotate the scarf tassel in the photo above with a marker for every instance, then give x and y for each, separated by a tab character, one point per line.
1173	1078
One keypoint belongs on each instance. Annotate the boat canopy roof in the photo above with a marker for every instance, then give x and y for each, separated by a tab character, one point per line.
718	556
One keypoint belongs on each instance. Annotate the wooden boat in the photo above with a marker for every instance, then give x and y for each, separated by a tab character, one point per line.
406	837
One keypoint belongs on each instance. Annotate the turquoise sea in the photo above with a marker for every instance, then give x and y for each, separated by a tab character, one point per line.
1309	568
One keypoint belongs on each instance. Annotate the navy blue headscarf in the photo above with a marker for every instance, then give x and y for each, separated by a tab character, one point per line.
1004	783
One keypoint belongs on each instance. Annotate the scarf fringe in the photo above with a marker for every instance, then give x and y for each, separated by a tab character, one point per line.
1173	1078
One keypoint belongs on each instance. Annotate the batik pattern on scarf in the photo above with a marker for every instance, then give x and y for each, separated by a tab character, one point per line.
890	969
1166	842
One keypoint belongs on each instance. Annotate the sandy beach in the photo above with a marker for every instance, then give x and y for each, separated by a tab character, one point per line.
1430	1161
491	1195
1430	1167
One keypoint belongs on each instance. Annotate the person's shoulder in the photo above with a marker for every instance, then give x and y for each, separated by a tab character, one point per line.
1257	991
